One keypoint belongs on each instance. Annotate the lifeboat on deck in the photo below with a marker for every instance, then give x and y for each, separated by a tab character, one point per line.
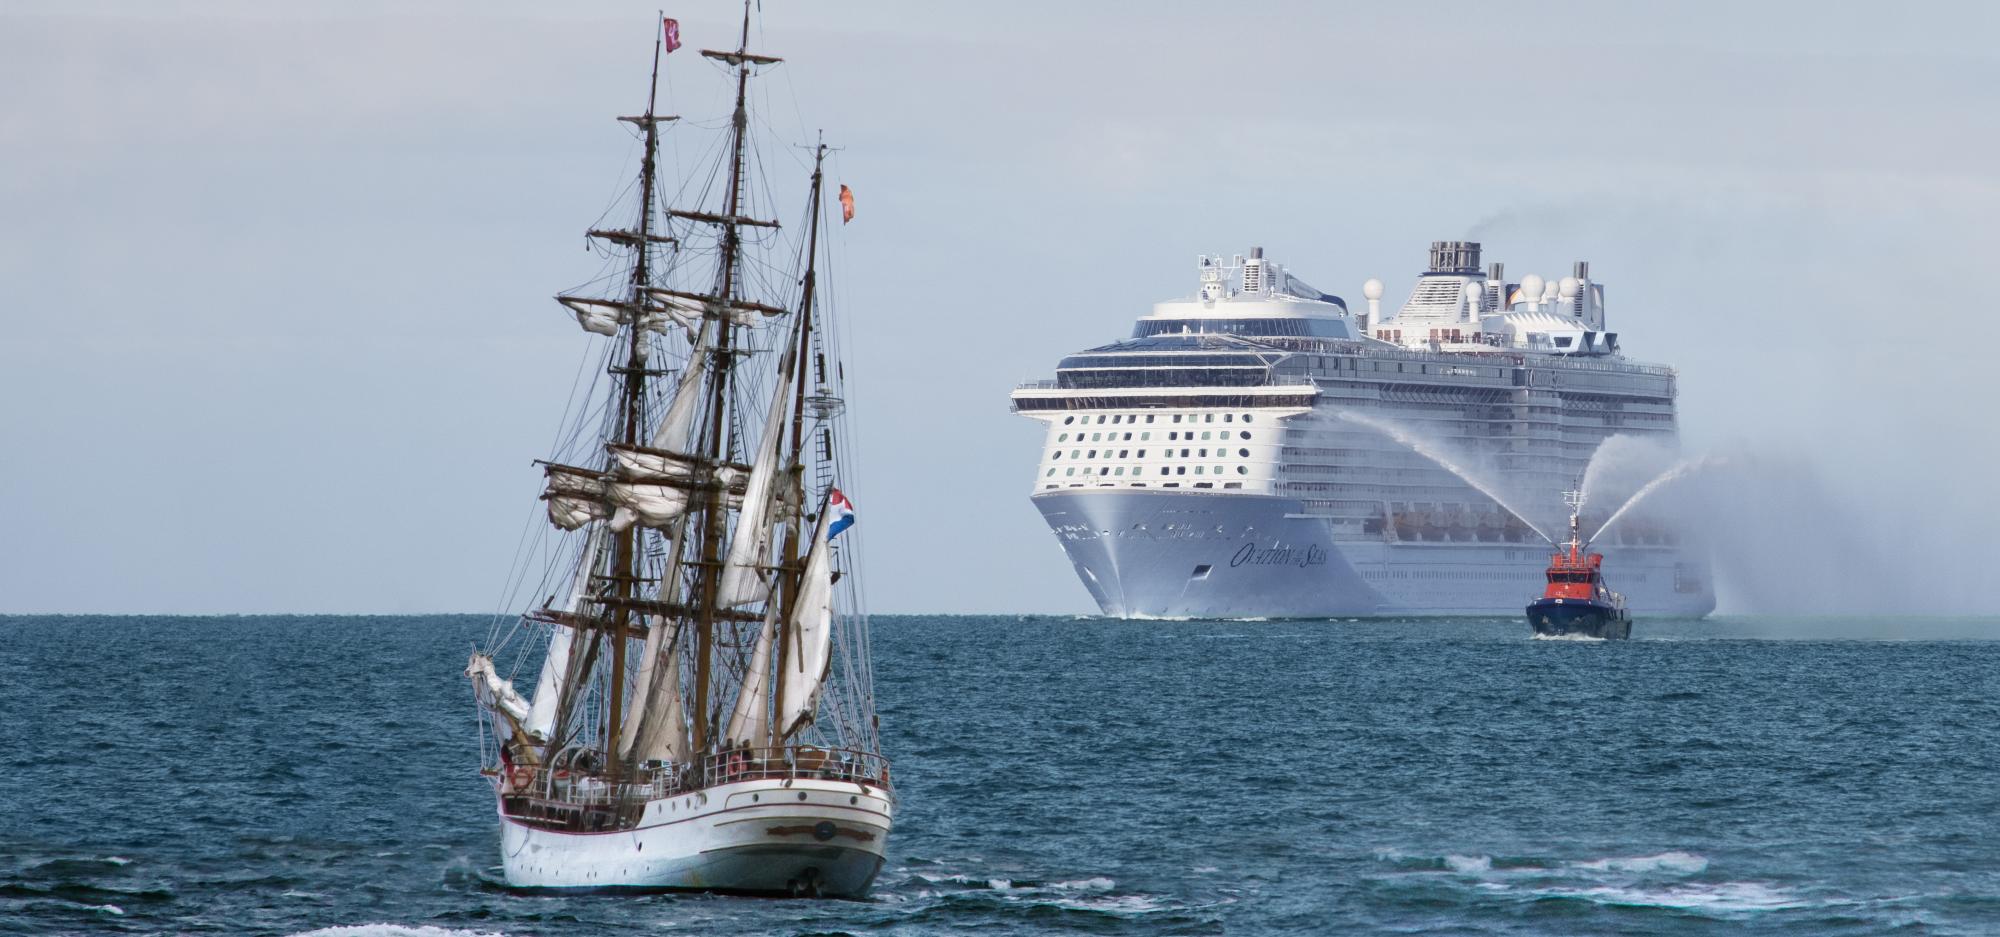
1576	603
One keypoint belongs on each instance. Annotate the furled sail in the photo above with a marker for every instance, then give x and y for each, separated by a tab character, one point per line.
809	653
750	721
562	638
604	316
744	577
495	692
657	505
574	500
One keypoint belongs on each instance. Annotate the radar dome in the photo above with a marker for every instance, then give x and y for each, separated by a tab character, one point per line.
1372	289
1531	287
1568	287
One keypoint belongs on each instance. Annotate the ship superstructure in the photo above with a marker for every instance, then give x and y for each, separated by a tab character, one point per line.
1260	450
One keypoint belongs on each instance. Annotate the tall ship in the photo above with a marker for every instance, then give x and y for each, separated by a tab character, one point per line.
1260	450
698	709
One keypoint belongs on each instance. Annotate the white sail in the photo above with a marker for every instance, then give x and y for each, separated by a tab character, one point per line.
653	505
555	664
494	692
574	500
744	578
750	721
656	724
809	650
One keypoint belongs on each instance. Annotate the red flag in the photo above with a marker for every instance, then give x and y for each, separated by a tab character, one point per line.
673	34
846	205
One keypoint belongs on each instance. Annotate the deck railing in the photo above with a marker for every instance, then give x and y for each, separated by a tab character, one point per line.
561	790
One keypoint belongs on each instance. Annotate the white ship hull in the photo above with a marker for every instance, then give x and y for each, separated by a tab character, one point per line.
1211	555
764	837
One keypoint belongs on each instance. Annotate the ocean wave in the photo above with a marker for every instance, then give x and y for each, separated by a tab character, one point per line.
1683	863
1720	897
393	930
1586	638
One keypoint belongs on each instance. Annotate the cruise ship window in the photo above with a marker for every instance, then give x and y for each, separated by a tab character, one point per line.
1204	434
1173	435
1096	436
1180	470
1229	418
1048	473
1242	470
1145	436
1149	418
1244	435
1218	470
1070	471
1164	470
1204	453
1058	454
1184	453
1246	417
1121	452
1245	453
1121	470
1100	418
1177	418
1208	418
1068	420
1197	470
1142	453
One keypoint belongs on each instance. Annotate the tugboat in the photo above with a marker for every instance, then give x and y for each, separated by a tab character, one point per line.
1576	602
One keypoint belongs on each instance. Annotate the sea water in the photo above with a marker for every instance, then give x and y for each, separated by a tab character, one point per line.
289	775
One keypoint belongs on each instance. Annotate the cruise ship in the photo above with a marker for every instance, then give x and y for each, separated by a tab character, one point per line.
1258	450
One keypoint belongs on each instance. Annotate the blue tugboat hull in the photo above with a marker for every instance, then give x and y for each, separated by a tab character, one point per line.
1578	618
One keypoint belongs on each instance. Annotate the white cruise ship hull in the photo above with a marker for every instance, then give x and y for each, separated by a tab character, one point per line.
758	837
1197	554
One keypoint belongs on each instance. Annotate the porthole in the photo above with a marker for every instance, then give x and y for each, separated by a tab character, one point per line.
1245	453
753	797
1244	435
1068	420
1242	470
1246	417
853	800
802	794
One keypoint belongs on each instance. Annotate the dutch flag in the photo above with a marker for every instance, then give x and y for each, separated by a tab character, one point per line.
843	513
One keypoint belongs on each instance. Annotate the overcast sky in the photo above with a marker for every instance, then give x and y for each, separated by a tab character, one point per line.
275	277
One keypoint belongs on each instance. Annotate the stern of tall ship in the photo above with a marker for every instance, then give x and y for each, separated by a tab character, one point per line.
1193	554
764	836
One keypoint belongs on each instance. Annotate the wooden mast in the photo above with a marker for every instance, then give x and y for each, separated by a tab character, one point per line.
625	552
795	534
721	377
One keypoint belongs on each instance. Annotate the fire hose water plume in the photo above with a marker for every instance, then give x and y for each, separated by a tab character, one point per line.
1681	470
1436	453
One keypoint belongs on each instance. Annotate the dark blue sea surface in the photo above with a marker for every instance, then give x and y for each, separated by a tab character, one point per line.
317	774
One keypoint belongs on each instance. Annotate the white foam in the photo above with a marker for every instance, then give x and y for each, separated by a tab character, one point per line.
1097	883
1684	863
1723	897
108	909
1469	864
117	860
393	930
1568	637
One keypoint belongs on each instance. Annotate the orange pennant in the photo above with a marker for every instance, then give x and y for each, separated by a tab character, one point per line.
846	205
